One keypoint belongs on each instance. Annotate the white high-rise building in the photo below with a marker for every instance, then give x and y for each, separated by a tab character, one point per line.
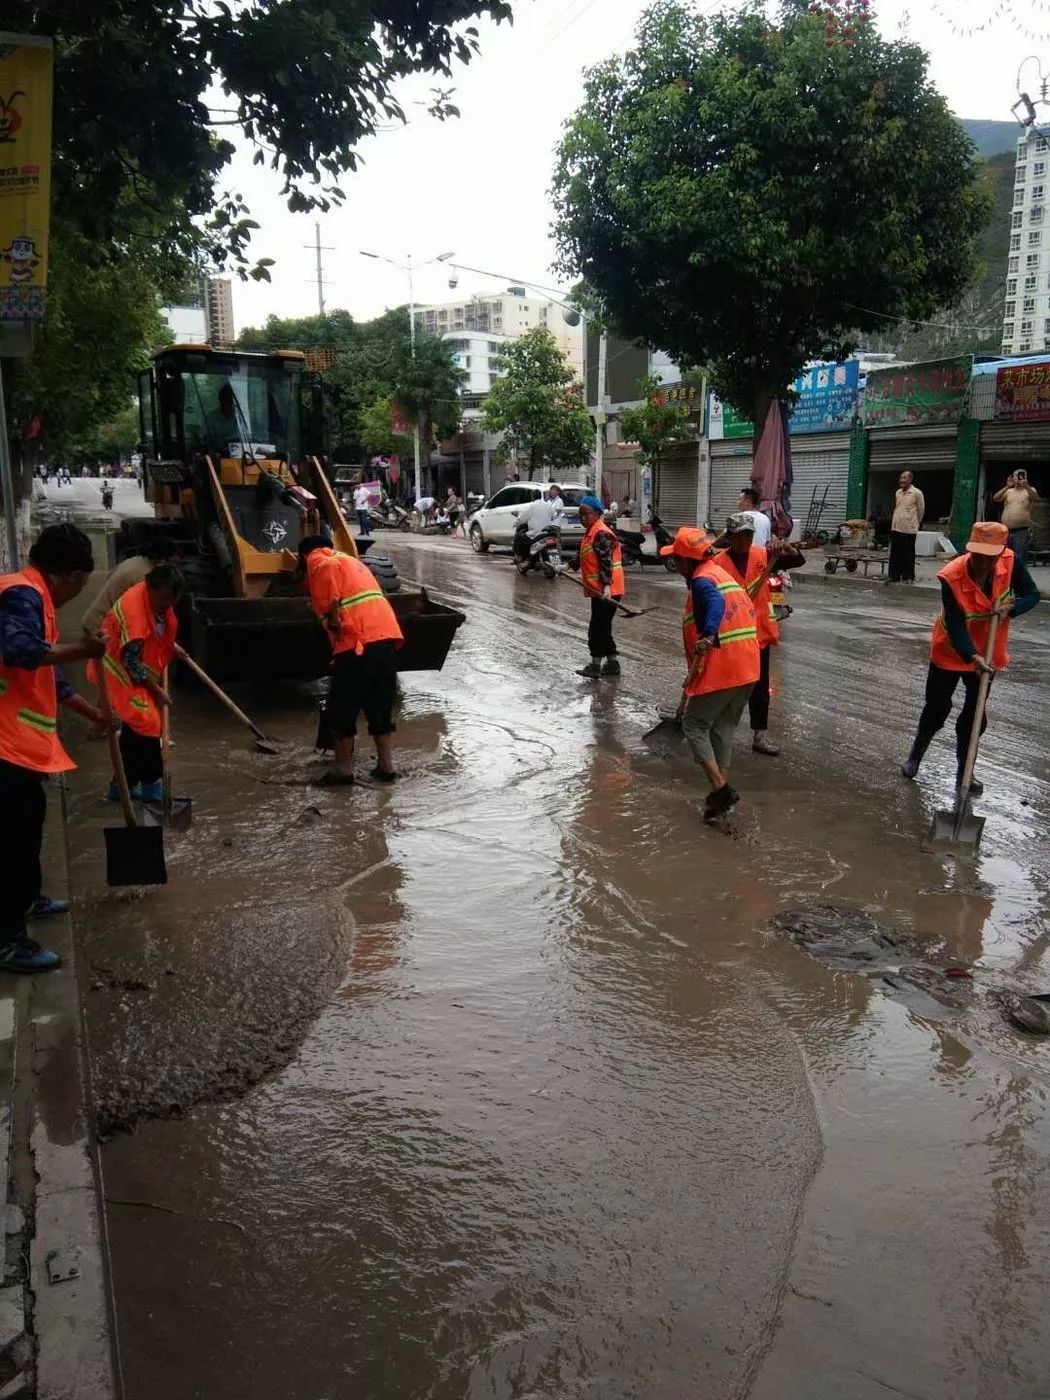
1026	319
510	313
479	355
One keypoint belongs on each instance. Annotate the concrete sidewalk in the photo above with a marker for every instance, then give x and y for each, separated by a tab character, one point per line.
56	1334
926	571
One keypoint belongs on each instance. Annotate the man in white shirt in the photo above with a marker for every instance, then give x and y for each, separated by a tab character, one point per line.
908	510
541	514
362	504
748	505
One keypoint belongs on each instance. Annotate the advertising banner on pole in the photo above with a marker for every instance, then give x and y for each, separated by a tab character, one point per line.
25	175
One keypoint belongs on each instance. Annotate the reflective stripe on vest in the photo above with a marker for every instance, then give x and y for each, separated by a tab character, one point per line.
131	619
589	570
765	613
976	607
735	660
29	699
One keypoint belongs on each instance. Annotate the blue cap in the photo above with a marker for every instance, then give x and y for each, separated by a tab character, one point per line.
592	503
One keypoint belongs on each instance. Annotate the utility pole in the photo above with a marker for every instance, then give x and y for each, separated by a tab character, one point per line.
318	248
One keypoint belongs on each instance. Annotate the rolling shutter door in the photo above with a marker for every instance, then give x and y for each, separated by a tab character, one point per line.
819	460
677	487
913	449
1015	442
731	464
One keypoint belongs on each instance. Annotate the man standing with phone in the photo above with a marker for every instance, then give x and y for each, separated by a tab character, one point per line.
1016	499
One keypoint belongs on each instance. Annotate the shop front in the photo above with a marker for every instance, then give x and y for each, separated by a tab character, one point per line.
1017	440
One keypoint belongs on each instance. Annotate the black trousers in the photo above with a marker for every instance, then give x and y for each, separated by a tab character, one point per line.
141	756
23	804
599	634
902	557
758	704
940	689
367	682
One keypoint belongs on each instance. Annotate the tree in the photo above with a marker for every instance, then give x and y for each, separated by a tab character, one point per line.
538	408
426	385
377	433
753	195
139	149
655	424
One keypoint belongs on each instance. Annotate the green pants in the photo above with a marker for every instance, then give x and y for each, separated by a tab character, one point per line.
710	721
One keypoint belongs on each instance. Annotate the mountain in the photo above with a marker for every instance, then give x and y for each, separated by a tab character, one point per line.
990	138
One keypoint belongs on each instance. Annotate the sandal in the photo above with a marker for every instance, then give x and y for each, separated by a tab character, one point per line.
333	778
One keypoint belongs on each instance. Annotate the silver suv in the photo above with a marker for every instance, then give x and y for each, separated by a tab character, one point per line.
496	521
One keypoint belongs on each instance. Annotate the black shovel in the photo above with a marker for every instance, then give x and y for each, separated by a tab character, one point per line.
663	737
175	812
621	607
134	854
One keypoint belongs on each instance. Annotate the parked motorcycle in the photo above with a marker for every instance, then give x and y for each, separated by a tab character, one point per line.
544	553
107	498
632	545
392	518
778	586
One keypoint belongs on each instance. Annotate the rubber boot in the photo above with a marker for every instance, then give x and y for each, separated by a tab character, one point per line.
611	666
592	670
910	766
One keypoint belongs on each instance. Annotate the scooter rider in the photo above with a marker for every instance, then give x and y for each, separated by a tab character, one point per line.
544	513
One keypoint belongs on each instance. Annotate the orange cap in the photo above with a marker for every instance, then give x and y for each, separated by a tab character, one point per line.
691	543
988	537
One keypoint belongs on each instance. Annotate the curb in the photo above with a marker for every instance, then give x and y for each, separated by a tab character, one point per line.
848	581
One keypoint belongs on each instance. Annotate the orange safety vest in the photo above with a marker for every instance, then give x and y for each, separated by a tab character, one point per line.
131	619
765	617
589	562
735	660
364	614
29	699
977	607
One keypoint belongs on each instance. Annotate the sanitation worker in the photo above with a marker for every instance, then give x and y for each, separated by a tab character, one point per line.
722	660
133	570
140	630
749	564
364	635
988	578
600	562
31	689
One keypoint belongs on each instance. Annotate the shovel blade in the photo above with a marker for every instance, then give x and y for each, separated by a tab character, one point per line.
665	739
952	830
135	855
179	818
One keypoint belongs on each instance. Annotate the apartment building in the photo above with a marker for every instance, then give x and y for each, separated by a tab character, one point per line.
1026	319
218	306
510	314
479	355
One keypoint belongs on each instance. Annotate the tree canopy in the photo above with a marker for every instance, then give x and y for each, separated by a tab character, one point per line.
750	194
537	407
147	94
655	423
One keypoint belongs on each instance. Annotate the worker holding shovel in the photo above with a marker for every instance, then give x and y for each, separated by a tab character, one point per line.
600	562
720	634
31	690
988	579
140	630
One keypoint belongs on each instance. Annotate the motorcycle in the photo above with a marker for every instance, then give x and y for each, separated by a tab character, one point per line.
544	553
392	518
107	498
778	586
632	545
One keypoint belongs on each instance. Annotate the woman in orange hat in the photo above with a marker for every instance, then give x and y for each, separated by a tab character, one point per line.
987	579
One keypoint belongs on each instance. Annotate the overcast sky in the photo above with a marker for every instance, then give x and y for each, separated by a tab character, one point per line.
478	185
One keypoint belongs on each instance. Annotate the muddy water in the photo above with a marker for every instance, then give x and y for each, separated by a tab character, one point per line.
495	1085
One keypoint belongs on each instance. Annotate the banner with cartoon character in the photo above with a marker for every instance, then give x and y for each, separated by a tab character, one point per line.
25	174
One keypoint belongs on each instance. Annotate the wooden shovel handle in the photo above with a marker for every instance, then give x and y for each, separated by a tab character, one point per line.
219	693
114	743
978	714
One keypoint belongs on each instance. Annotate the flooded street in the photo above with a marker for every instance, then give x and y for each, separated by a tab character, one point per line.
496	1083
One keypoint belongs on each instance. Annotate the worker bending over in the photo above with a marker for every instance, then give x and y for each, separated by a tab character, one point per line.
31	689
722	660
600	562
140	630
134	569
751	565
987	579
364	636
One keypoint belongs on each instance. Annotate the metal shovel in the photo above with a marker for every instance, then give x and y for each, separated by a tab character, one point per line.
134	854
262	742
959	830
620	607
663	737
175	812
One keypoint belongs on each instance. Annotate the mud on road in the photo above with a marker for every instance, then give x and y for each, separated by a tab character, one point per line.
495	1083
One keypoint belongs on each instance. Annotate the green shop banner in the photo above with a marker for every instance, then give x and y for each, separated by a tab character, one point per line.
901	395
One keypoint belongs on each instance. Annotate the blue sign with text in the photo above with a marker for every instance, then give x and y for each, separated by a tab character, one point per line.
827	400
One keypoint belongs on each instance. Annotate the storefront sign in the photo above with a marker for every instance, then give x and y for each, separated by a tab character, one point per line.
1022	392
827	398
826	403
25	175
926	393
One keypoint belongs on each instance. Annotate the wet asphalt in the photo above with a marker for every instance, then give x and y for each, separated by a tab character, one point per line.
497	1083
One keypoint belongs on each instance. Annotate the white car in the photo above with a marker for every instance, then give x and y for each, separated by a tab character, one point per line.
496	521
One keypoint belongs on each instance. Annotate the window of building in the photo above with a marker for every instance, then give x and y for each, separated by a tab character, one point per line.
1034	240
1011	286
1037	191
1032	260
1029	283
1015	221
1015	243
1010	308
1025	347
1026	327
1018	198
1039	168
1020	177
1046	326
1028	304
1035	214
1008	331
1042	144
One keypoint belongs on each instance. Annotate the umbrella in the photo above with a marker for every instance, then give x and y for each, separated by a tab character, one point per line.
771	474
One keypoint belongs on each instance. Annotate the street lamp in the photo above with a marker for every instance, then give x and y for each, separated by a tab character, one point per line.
409	266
